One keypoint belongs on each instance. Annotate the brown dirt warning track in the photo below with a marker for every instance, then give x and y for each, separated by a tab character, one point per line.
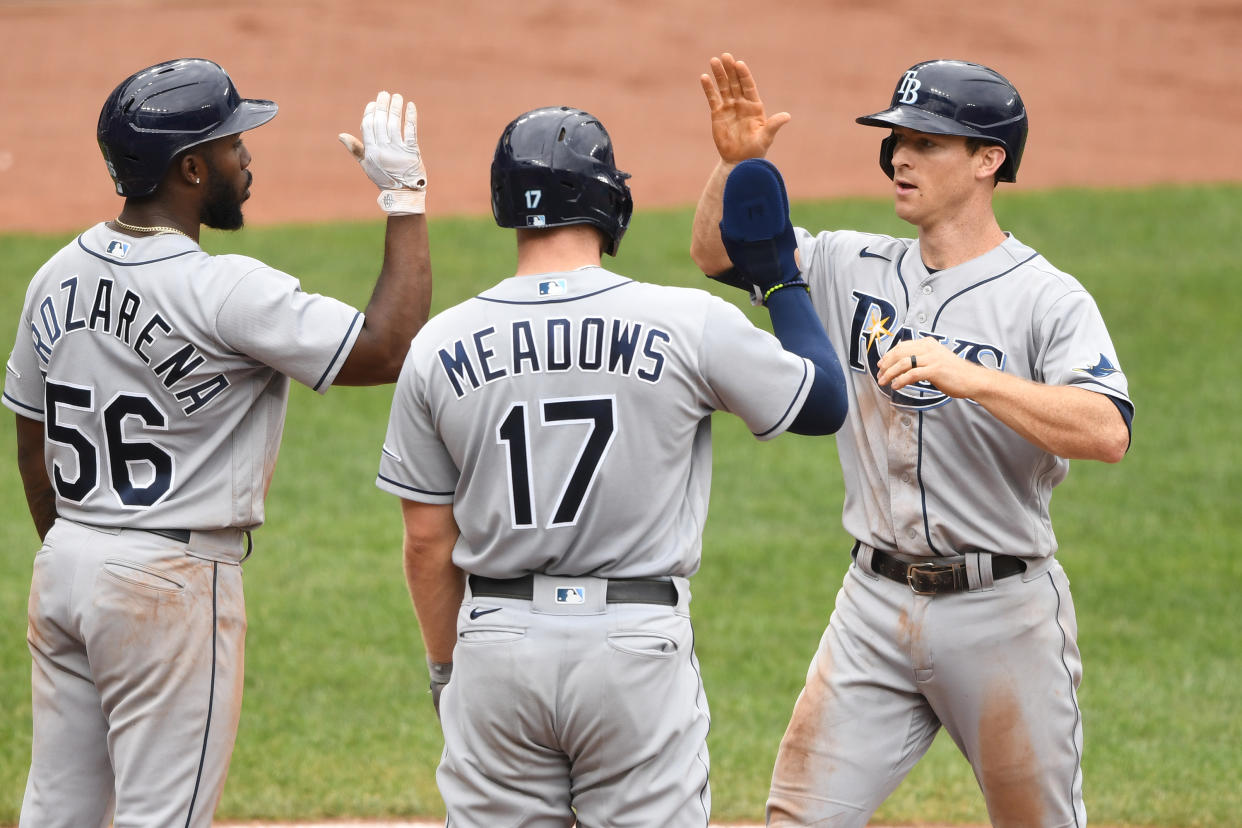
1120	92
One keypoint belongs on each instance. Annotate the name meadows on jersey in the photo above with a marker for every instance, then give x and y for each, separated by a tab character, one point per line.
561	344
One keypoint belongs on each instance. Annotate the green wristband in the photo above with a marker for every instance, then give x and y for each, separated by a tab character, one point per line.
780	285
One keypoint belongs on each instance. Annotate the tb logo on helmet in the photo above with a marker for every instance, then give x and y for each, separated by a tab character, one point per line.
908	90
962	98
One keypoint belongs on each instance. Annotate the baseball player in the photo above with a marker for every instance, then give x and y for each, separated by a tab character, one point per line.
150	381
550	441
976	370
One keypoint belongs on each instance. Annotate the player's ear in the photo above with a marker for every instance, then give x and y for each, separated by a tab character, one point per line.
988	160
190	168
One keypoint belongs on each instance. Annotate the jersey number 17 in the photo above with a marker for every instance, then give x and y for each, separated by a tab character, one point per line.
598	413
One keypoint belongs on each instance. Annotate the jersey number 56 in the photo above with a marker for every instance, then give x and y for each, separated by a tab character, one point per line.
124	457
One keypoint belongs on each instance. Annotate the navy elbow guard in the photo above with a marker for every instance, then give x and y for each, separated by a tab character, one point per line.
756	230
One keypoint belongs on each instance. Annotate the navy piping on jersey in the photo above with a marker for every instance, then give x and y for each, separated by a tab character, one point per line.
1123	405
414	488
1127	411
1072	697
339	348
918	471
211	694
789	408
904	291
120	263
19	404
935	321
553	301
703	792
978	284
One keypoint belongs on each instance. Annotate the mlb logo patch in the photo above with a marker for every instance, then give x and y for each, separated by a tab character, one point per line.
536	221
570	595
553	287
118	248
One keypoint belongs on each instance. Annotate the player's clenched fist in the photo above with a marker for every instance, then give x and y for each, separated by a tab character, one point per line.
389	153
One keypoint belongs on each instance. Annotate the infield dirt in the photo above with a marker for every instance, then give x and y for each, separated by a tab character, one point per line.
1120	92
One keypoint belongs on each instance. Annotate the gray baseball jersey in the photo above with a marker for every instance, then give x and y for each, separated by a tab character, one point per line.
912	484
161	375
566	417
929	476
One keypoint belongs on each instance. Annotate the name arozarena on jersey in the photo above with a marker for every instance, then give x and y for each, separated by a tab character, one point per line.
60	314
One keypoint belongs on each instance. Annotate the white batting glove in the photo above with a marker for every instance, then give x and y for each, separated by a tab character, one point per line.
389	154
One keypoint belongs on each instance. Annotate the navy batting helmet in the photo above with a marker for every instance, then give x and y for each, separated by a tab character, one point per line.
952	97
166	109
554	166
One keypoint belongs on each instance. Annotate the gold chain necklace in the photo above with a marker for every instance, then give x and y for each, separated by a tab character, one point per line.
159	229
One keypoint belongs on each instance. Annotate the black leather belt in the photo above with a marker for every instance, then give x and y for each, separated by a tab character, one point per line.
620	591
179	535
183	536
936	577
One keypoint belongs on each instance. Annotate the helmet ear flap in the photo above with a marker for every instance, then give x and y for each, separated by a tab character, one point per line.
886	154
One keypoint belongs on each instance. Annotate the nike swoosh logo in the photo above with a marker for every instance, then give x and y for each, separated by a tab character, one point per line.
476	613
867	254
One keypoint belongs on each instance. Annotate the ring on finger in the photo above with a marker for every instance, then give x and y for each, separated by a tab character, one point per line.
914	362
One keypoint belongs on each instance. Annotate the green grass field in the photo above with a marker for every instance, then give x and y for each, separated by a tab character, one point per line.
337	721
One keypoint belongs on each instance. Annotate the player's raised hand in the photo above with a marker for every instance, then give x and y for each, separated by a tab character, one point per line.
389	153
740	127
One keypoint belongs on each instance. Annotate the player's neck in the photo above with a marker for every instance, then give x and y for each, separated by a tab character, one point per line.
557	249
965	236
156	216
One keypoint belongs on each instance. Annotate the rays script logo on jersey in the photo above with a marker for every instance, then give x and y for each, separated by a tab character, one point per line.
870	330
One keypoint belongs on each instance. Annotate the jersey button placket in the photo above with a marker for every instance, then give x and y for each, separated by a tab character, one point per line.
922	307
903	476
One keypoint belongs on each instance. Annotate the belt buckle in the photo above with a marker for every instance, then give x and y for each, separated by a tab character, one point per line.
915	569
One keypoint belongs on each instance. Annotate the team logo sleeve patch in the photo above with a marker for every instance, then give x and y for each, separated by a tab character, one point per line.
1102	368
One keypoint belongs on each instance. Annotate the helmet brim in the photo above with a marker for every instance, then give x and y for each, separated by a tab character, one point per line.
250	113
921	121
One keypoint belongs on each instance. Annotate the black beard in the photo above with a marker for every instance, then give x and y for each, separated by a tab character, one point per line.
222	208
